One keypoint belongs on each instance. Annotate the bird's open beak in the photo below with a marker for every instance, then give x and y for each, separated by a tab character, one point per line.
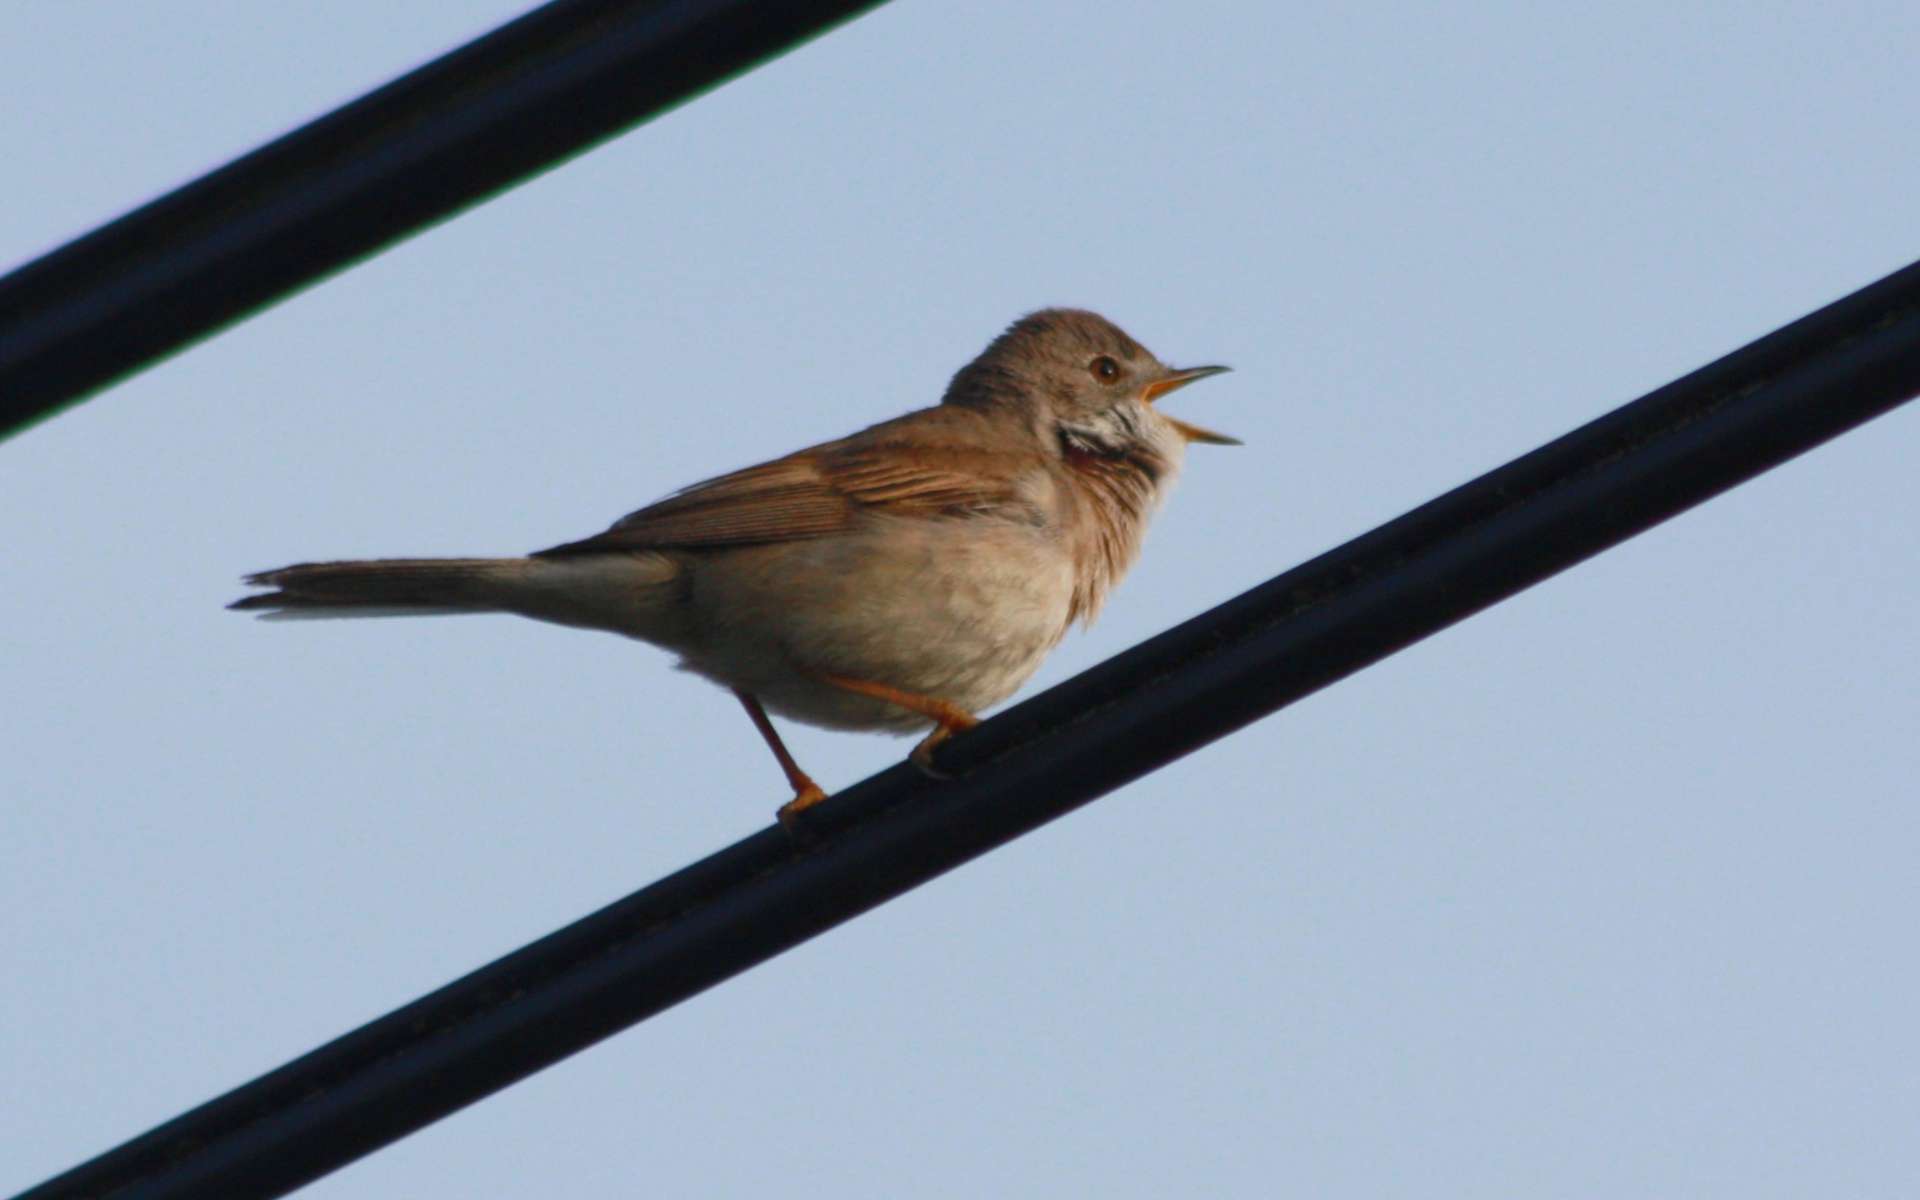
1173	381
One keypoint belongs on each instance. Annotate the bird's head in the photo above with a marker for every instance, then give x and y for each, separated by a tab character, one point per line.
1089	388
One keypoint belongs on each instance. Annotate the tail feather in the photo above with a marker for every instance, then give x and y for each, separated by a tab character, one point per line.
356	612
627	592
422	585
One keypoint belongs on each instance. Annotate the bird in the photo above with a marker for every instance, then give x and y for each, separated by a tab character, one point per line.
907	576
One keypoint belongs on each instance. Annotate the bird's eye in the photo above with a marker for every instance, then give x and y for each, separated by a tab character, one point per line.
1104	369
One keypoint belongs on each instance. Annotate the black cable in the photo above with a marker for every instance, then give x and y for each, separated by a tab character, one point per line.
434	141
1289	637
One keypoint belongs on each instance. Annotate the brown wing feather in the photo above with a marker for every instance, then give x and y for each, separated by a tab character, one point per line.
910	471
773	502
929	480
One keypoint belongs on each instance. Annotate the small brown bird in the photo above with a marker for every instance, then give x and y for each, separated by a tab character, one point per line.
911	574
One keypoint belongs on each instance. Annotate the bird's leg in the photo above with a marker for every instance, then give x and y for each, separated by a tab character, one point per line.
948	719
806	793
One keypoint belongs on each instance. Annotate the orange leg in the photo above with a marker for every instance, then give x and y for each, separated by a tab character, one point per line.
806	793
948	719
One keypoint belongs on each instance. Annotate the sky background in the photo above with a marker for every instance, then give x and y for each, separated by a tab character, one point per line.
1608	891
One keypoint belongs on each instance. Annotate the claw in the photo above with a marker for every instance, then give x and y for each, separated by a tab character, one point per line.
803	800
922	755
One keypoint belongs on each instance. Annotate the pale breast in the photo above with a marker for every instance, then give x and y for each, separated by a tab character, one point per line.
961	609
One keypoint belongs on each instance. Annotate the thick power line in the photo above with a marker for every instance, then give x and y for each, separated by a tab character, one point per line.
487	115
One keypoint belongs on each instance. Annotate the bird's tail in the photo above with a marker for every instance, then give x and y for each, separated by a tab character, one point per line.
633	593
389	586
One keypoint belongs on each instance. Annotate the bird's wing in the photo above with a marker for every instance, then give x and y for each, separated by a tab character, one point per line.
778	501
933	480
909	472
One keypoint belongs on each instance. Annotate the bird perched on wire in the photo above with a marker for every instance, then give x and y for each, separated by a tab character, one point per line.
909	575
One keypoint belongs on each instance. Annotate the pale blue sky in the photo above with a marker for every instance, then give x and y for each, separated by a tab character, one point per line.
1609	891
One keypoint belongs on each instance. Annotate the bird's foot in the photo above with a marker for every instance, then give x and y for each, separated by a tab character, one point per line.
955	721
948	718
807	795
